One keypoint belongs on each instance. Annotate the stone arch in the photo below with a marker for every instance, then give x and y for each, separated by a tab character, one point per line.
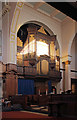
41	24
70	44
13	29
73	51
46	27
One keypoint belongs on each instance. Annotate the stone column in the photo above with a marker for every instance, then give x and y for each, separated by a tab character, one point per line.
67	73
63	65
76	55
1	92
67	76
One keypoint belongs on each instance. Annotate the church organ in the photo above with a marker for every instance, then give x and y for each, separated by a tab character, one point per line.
38	61
38	52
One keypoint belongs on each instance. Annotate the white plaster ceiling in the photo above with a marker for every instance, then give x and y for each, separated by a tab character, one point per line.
48	10
60	16
32	3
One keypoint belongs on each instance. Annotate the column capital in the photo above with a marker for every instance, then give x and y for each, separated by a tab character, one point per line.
67	62
66	59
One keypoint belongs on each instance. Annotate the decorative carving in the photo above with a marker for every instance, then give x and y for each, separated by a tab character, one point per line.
52	65
32	62
42	30
19	42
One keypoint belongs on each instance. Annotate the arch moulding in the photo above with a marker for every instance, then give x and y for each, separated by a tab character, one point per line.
12	56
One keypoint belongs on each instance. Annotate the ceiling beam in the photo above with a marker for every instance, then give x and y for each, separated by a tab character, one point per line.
54	13
38	4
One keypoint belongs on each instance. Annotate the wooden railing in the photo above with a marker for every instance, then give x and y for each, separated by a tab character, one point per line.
2	67
10	67
20	69
26	70
54	73
29	70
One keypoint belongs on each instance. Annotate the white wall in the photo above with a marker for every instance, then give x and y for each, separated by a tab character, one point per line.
76	27
73	59
11	12
68	32
76	56
0	33
0	44
6	24
5	37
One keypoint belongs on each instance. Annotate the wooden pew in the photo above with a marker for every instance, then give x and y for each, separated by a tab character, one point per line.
20	99
25	100
63	105
43	100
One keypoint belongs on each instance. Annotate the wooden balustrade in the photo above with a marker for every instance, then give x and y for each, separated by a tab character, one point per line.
10	67
19	69
2	67
29	70
55	73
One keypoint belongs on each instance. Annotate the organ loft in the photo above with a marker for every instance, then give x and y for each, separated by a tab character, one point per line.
38	63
